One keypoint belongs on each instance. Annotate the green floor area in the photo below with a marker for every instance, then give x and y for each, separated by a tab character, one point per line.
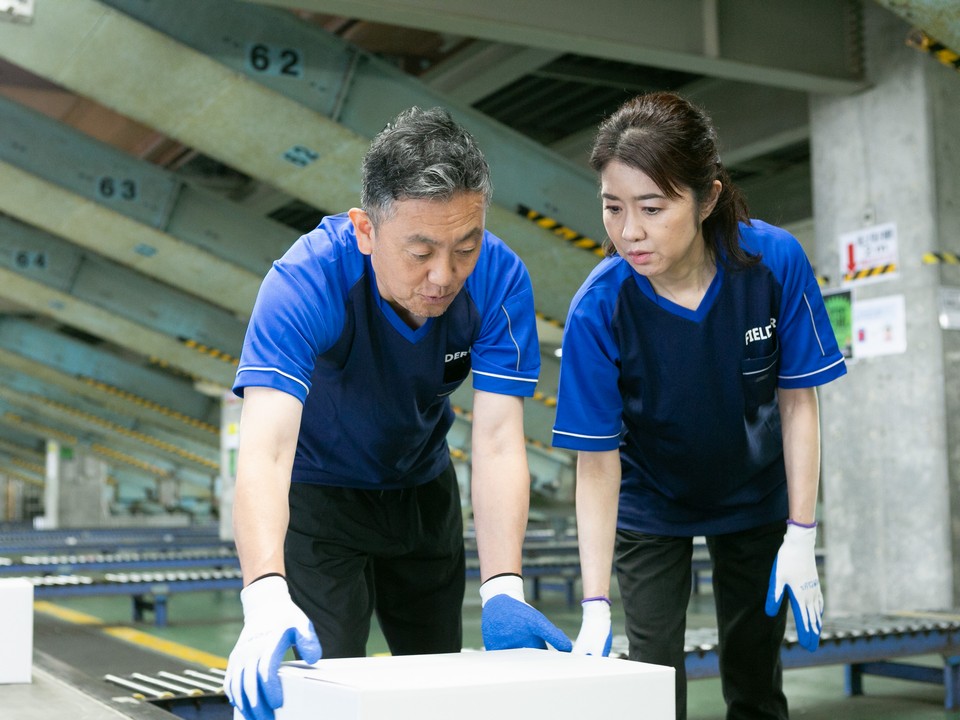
211	622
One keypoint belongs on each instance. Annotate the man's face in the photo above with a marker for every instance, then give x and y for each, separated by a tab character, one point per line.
423	253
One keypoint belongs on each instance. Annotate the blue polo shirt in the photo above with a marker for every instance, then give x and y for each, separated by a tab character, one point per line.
375	392
689	396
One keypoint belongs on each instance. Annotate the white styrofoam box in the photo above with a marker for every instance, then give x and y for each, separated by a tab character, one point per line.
476	686
16	630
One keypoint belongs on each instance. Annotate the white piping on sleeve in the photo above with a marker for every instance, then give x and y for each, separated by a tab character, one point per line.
813	323
278	372
510	331
815	372
586	437
504	377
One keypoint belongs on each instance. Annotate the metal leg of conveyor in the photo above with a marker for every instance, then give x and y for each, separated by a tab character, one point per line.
853	680
951	682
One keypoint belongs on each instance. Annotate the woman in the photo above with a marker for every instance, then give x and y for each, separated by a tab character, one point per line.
691	357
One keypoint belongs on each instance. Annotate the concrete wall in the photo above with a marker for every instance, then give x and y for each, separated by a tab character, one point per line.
886	155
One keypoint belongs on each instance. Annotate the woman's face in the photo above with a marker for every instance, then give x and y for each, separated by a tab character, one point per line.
656	234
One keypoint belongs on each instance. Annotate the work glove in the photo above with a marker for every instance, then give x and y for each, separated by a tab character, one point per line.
507	621
596	633
272	624
795	569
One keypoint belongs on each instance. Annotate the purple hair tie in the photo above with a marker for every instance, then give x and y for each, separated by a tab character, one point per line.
803	525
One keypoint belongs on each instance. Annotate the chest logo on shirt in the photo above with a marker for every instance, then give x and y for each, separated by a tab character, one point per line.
764	332
456	366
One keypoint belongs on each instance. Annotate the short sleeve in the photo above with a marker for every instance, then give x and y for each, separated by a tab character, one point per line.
506	352
298	314
589	404
809	354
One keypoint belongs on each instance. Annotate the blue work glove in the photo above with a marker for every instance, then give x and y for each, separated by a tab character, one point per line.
272	624
507	621
795	570
596	632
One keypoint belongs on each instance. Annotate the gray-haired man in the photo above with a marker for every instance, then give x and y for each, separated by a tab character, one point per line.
346	500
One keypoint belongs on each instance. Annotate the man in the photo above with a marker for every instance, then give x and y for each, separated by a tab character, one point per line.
346	500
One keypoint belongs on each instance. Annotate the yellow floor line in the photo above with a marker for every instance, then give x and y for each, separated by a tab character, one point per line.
136	637
72	616
167	647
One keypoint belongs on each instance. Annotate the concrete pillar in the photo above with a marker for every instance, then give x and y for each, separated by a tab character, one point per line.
230	407
75	488
890	157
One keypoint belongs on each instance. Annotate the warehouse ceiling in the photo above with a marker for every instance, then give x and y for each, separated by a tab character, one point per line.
156	157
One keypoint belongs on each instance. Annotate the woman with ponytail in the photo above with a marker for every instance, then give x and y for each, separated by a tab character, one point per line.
691	357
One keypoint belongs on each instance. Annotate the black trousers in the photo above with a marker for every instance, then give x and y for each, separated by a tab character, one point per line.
655	582
397	553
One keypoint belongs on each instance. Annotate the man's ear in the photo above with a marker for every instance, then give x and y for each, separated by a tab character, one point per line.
364	229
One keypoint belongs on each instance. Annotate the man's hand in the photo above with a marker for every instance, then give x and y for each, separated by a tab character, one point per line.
272	624
508	622
795	570
596	632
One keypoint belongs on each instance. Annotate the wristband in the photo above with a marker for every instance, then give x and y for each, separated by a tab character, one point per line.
266	575
505	574
803	525
598	597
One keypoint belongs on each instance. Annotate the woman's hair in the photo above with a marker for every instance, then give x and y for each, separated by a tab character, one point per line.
674	143
421	154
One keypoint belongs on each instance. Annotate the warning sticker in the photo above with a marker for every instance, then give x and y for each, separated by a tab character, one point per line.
869	254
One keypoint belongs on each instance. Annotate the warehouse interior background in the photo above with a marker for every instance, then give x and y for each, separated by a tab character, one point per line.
156	157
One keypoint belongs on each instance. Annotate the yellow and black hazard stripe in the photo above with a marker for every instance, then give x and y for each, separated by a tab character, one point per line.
934	258
549	320
212	352
547	400
870	272
149	404
921	41
561	230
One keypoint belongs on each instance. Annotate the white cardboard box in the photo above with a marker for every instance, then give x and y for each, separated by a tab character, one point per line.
16	630
499	685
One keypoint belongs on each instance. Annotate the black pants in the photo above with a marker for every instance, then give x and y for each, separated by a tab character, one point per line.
655	581
399	553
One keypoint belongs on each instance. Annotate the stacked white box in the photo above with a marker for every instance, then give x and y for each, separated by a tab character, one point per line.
477	686
16	630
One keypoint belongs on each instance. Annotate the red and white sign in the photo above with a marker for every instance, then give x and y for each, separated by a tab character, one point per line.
869	249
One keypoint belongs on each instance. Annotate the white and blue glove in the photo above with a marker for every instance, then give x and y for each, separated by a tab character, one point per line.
272	624
508	622
596	631
795	570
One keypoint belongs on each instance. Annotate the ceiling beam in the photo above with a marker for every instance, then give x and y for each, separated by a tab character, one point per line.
482	68
808	46
64	308
92	279
306	152
940	19
137	390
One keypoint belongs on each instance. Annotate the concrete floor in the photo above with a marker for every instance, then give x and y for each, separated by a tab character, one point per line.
204	626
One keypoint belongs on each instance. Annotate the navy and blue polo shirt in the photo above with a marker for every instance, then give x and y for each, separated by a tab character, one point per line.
689	396
375	392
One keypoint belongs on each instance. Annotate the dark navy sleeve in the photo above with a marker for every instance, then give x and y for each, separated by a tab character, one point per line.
589	404
809	354
298	314
505	356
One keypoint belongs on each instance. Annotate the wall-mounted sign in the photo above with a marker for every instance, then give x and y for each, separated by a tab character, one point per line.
879	326
950	308
839	304
869	254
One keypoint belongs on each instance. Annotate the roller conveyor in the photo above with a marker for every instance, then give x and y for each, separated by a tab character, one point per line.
149	590
107	539
131	559
865	645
